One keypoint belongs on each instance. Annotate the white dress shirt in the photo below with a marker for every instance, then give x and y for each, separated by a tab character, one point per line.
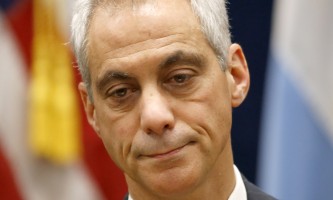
239	192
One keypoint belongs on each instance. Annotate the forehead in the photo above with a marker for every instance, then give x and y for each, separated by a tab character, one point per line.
128	23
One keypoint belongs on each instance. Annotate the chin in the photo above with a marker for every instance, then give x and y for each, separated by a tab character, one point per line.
174	182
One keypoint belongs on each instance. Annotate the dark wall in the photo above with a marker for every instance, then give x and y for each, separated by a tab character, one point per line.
251	25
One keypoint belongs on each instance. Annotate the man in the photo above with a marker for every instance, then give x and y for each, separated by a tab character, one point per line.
160	80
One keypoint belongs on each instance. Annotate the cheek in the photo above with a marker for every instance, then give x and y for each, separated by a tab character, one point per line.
209	110
117	134
213	114
220	116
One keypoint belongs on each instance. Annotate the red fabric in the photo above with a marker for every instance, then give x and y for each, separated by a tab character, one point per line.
8	187
20	21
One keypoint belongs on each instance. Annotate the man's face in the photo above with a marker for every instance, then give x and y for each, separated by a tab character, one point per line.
162	104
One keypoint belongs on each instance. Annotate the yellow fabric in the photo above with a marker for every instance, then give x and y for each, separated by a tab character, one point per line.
54	121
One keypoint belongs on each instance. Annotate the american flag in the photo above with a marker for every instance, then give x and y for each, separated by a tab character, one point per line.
23	173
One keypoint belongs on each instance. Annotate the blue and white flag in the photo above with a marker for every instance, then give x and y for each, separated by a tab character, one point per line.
296	154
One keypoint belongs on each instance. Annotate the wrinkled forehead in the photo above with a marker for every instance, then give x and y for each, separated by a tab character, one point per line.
118	5
134	28
122	3
143	15
115	6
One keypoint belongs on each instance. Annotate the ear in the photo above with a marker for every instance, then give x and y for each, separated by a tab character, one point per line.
240	77
89	107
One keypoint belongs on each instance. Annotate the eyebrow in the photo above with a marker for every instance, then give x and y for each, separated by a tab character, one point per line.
110	76
177	58
183	58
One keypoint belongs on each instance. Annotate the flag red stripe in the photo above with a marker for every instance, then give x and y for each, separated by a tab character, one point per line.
20	22
8	189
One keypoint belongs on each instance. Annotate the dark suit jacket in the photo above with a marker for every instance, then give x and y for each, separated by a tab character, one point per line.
253	192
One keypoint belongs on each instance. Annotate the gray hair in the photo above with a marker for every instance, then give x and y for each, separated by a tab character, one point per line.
212	15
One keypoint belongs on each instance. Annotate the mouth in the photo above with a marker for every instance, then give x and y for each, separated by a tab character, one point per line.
168	153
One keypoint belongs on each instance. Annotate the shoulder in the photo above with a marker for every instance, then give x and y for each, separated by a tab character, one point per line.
255	193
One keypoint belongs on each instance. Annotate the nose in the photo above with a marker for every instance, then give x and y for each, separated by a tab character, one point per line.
156	114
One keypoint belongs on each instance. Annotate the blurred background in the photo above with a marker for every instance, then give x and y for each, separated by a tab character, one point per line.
282	134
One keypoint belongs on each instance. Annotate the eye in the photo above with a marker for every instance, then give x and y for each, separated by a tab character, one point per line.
122	97
182	81
119	92
181	78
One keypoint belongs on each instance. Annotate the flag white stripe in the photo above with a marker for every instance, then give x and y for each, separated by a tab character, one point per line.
303	38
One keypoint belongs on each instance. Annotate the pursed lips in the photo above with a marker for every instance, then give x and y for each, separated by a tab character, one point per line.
168	152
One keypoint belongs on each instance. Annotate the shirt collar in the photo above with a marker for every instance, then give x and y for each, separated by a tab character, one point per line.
239	192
